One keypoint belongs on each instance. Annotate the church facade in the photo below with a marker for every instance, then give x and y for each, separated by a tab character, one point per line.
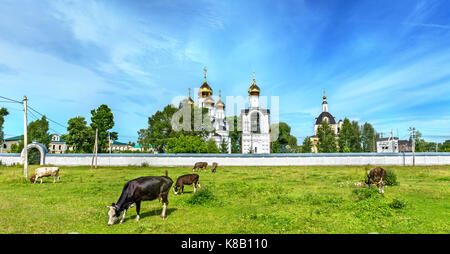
216	111
255	124
325	116
255	121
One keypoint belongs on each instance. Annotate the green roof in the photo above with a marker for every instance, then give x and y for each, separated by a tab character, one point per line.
13	138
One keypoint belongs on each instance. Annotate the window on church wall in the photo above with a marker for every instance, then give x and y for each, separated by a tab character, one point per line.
255	123
325	119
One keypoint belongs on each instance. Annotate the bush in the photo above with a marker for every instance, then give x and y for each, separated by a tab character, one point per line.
391	178
202	197
365	193
397	204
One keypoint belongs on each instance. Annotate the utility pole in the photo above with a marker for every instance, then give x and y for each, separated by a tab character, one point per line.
94	155
413	144
25	137
109	141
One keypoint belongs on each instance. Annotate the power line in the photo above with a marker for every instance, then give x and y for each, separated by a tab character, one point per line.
46	117
12	100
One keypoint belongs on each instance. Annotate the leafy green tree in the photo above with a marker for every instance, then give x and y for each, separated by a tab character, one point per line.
307	145
37	131
285	142
345	135
80	137
355	139
445	147
327	139
103	120
212	146
275	147
160	130
186	144
368	138
223	146
3	112
235	134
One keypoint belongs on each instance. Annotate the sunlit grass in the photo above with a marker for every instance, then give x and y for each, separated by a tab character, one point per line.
233	200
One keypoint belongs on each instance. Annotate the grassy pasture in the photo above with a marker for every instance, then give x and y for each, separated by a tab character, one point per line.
278	200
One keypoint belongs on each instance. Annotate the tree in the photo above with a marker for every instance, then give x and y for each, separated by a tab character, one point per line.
327	139
368	138
355	139
445	147
212	146
37	131
223	146
3	112
235	134
307	145
160	130
80	137
275	147
345	135
285	142
103	120
186	144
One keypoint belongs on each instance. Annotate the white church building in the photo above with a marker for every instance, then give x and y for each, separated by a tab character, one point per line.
255	124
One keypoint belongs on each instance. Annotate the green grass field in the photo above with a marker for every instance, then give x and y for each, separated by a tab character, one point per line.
273	200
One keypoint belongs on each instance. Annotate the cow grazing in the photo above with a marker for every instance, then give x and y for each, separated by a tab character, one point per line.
214	166
199	165
141	189
378	176
45	172
186	180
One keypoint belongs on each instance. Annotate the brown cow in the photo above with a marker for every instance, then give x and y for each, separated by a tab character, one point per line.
214	166
199	165
378	176
186	180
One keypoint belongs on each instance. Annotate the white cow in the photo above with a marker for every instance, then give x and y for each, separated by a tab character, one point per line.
45	172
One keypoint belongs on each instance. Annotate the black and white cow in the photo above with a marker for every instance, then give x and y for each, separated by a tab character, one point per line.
376	176
186	180
141	189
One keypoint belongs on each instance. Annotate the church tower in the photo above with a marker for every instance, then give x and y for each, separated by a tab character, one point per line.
255	124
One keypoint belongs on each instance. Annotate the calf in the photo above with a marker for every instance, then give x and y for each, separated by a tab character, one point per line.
199	165
186	180
378	176
141	189
45	172
214	166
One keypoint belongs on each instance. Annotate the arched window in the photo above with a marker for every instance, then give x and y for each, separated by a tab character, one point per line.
255	122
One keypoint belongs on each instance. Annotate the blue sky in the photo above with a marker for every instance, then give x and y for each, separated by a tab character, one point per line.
383	62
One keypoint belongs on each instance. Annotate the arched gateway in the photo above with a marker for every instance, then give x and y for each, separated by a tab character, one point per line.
41	148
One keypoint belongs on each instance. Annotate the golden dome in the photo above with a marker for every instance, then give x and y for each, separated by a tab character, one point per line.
205	90
324	97
190	99
220	102
254	89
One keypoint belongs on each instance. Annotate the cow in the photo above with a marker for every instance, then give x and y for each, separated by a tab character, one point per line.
214	166
186	180
199	165
45	172
377	176
141	189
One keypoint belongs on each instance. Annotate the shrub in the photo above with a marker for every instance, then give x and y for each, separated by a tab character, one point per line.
391	178
202	197
397	204
365	193
144	164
